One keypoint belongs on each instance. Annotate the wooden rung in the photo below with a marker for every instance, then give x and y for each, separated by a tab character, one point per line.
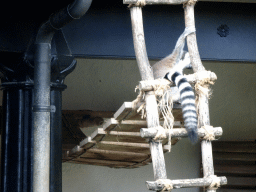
123	111
124	146
110	124
184	183
191	78
177	132
129	125
117	155
102	162
86	143
150	2
118	133
124	125
120	136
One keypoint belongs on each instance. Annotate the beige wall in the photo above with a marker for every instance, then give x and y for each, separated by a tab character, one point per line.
233	103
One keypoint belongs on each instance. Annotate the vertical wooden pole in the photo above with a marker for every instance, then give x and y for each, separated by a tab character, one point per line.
203	117
146	72
151	104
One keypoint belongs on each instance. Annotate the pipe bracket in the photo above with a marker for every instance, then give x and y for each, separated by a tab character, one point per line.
41	108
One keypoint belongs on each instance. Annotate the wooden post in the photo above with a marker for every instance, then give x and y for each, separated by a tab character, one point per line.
177	132
203	117
183	183
152	2
151	104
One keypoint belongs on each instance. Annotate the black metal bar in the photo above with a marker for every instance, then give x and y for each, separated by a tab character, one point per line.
56	139
16	138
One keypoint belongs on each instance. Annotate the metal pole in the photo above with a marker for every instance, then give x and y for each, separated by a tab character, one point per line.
41	118
42	76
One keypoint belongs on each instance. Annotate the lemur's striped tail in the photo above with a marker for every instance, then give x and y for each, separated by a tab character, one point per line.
187	98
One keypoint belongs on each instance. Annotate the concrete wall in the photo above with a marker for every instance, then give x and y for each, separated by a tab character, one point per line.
105	84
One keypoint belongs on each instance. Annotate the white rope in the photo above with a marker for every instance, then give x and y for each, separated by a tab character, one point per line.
202	88
209	133
161	88
168	186
215	182
160	133
139	3
190	2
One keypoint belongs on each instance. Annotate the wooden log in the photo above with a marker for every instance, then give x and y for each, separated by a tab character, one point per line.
126	111
110	124
109	163
146	72
158	160
177	132
192	78
120	136
191	39
119	133
117	155
203	108
151	2
123	111
150	99
184	183
86	143
125	146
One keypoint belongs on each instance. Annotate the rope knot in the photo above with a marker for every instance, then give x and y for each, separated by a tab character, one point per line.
190	2
161	89
160	133
204	80
209	133
215	182
139	3
168	186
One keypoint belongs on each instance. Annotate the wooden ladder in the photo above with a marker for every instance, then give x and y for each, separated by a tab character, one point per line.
161	182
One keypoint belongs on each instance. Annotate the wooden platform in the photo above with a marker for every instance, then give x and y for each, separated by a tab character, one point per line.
118	142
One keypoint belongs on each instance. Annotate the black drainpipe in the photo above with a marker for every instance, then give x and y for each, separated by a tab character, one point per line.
41	107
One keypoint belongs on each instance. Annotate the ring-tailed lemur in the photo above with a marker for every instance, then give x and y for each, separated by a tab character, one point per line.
187	97
171	68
